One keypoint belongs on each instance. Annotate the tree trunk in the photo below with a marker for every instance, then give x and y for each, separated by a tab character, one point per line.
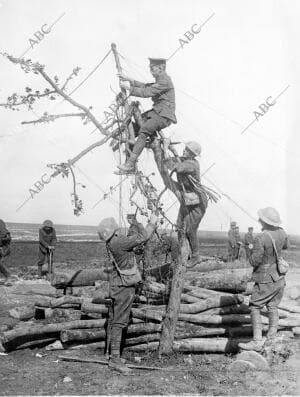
93	308
215	319
217	301
81	278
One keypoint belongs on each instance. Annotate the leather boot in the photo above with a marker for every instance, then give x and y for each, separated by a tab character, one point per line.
273	325
115	361
129	166
258	342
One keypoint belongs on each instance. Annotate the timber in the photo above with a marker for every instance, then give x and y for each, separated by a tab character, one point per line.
217	301
80	278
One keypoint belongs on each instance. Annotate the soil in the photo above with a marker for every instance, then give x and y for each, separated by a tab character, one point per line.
40	372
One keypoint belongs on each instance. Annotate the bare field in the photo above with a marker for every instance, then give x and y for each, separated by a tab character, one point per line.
40	372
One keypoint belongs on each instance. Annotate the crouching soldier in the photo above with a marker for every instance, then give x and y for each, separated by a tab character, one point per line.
269	282
47	240
5	240
123	279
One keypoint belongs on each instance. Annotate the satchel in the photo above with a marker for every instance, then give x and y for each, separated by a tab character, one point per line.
129	277
190	198
282	264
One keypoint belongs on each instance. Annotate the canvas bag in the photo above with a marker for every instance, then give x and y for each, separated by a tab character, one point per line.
190	198
129	277
282	265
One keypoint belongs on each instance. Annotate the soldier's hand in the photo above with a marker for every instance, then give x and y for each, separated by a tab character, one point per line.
123	77
125	85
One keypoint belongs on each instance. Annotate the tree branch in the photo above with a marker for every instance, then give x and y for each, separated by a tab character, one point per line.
47	118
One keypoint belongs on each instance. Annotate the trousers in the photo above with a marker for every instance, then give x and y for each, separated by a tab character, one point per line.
43	257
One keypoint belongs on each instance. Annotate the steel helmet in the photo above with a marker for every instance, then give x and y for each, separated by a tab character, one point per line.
48	223
232	223
270	216
106	228
194	147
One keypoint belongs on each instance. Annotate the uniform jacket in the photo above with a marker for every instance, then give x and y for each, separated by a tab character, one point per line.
187	167
162	93
248	239
263	257
122	250
231	238
46	239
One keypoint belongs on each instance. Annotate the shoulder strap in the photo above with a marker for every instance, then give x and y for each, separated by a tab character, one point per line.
111	256
273	243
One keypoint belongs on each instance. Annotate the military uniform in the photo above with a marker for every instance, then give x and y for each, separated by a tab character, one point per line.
237	244
249	242
231	247
189	217
122	251
5	240
46	238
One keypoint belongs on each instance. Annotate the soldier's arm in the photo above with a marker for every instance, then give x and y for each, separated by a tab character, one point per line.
138	84
150	90
41	239
258	252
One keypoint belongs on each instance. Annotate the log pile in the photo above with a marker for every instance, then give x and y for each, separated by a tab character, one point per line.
211	319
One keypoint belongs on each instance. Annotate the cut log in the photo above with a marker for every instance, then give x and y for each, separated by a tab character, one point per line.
217	301
231	280
142	339
146	314
215	319
22	313
93	308
189	298
232	309
81	278
289	307
213	264
18	336
196	345
203	293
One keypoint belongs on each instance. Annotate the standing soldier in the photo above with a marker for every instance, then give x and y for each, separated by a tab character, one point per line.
231	242
47	240
194	201
248	241
5	240
238	242
269	282
160	116
123	280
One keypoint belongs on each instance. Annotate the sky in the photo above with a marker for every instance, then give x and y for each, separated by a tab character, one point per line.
244	55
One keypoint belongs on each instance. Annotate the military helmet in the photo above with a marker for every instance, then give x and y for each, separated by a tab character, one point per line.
270	216
48	223
232	223
106	228
157	61
194	147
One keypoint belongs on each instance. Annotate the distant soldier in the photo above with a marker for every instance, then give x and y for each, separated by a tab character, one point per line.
269	282
194	201
249	241
123	280
160	116
5	240
231	242
47	240
238	242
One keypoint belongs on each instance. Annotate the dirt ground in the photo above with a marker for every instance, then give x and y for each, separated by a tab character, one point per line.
40	372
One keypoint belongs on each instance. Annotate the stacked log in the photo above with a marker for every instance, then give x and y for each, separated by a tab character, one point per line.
212	319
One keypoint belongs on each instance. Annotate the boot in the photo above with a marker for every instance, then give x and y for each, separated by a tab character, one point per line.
257	343
273	325
115	361
129	166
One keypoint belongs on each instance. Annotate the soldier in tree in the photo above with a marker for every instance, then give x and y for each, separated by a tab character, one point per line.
269	282
123	280
160	116
47	240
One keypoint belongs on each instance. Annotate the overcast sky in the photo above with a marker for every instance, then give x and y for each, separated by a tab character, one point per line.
245	54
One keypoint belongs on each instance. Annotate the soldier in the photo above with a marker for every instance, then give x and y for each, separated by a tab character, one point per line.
248	241
194	203
135	226
47	240
5	240
238	242
160	116
269	283
123	280
231	242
